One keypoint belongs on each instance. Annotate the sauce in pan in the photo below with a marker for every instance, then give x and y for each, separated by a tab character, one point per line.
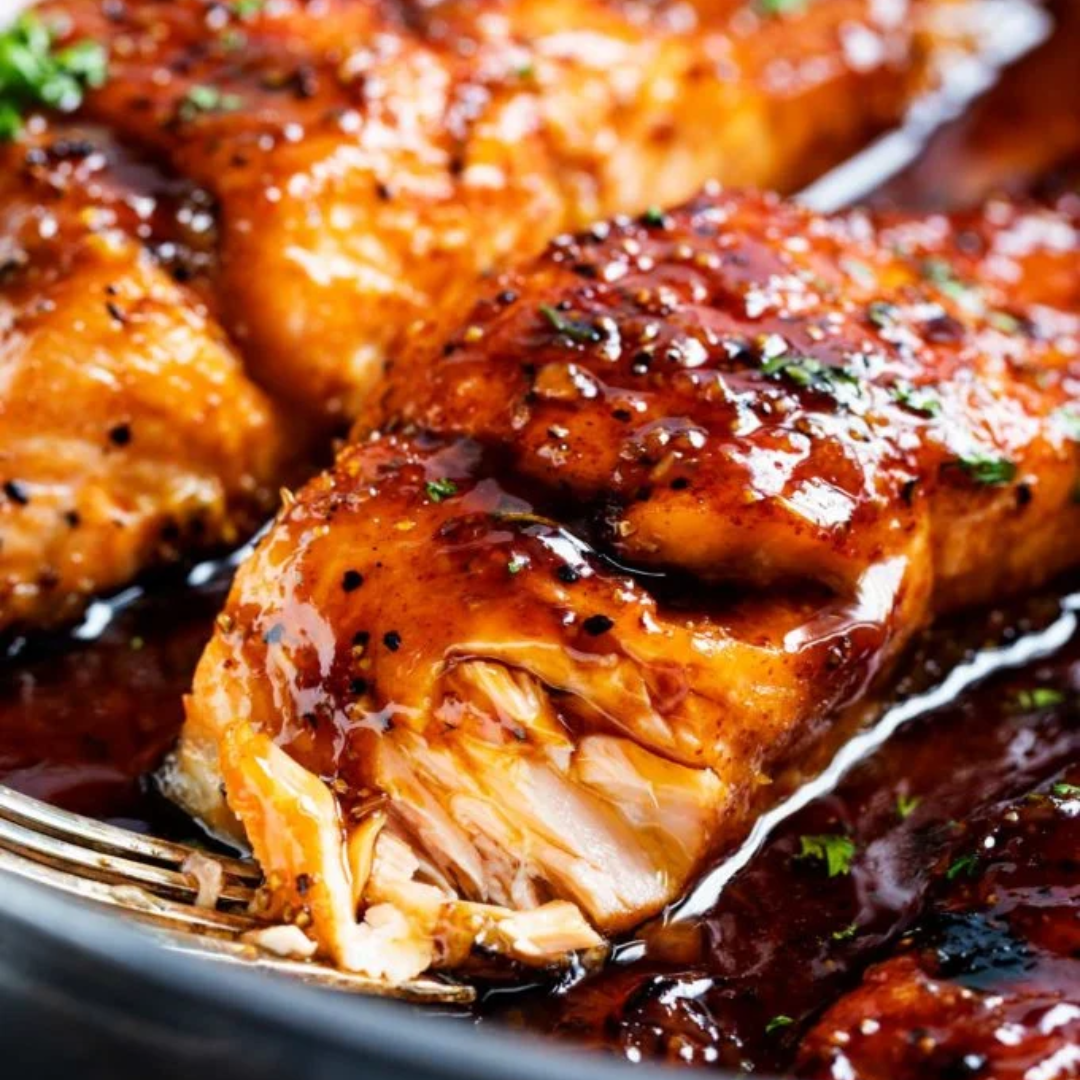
893	866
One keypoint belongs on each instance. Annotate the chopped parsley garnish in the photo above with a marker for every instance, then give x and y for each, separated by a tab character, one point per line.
1066	791
233	40
906	805
809	373
1040	697
966	865
207	99
988	470
654	216
835	851
780	7
244	9
1003	321
33	72
847	933
516	565
941	274
917	399
881	313
583	333
438	490
778	1022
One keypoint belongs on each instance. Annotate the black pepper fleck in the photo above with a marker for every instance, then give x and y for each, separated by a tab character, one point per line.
595	625
16	492
120	435
351	580
392	640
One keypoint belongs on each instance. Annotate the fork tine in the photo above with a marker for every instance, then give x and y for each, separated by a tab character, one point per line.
142	877
101	866
213	935
76	829
133	900
231	952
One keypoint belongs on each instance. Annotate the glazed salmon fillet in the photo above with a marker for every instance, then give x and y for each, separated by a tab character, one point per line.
986	977
369	160
129	433
624	556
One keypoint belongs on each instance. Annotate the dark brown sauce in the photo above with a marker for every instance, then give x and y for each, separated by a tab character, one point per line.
87	715
84	722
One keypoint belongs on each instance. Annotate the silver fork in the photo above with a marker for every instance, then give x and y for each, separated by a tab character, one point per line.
145	879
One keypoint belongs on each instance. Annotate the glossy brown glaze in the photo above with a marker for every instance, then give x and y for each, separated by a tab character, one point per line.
741	389
129	433
370	159
629	544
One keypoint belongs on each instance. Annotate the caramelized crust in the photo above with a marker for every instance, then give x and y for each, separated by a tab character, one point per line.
371	159
746	391
624	560
128	431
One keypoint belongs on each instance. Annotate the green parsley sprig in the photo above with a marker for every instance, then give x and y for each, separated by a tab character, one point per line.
34	72
811	374
440	489
987	469
576	330
835	851
964	866
202	98
1038	697
777	1023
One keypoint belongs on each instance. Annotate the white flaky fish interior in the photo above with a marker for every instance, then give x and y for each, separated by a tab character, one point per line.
468	842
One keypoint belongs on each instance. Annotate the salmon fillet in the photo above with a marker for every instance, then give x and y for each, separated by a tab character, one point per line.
369	160
985	982
129	433
624	556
